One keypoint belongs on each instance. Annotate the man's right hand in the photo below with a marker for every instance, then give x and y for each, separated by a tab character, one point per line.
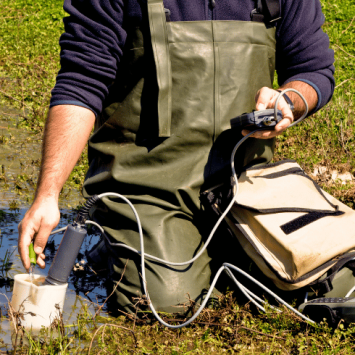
36	226
67	130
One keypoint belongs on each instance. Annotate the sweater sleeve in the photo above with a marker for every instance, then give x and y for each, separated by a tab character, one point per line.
302	49
91	48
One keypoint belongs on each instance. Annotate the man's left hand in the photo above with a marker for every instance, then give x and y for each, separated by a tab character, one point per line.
266	98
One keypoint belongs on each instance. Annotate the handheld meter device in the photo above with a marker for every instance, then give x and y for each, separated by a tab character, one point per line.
264	119
332	309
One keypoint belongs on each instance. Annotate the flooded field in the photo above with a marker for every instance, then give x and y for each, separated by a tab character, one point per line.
19	164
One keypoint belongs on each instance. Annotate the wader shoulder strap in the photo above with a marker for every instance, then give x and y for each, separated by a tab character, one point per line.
267	11
160	45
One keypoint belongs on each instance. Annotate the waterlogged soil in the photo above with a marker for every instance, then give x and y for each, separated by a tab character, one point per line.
19	161
19	164
20	153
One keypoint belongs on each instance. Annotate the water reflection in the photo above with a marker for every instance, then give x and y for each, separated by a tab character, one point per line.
84	286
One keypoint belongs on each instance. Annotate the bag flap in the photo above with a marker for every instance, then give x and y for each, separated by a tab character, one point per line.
305	249
281	187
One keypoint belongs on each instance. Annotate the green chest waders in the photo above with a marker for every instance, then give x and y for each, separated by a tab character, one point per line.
178	86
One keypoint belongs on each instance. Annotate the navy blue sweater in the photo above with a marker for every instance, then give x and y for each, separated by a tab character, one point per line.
91	47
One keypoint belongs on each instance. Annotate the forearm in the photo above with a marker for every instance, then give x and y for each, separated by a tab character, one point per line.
65	136
66	133
308	93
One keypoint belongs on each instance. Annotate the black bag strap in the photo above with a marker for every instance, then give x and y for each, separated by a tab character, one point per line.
267	11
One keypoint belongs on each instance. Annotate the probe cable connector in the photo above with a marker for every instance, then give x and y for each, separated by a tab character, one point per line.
83	214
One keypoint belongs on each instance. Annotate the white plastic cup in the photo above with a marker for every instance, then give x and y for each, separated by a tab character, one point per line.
40	305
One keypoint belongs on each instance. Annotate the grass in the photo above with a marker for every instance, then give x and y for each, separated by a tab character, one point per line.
29	61
231	329
29	56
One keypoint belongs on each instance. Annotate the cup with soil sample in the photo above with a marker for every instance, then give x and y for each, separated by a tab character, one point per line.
38	304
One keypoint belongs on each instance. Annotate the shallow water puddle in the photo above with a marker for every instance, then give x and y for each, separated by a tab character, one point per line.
19	162
84	287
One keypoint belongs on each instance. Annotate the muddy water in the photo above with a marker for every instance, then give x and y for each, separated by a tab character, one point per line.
19	163
37	282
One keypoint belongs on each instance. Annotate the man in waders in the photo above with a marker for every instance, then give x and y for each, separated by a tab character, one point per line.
161	82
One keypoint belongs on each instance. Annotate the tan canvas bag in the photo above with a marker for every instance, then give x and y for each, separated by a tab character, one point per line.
292	229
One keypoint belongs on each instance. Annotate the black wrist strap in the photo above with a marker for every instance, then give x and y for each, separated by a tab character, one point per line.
288	100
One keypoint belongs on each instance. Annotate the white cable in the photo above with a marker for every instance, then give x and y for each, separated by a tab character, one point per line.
260	300
243	289
208	239
58	230
246	292
144	283
95	224
268	291
225	266
350	292
282	93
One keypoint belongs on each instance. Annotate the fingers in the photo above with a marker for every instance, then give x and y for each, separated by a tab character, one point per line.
40	260
267	134
41	241
42	237
266	99
36	226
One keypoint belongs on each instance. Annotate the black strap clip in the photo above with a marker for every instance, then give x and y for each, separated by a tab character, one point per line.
167	14
267	11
